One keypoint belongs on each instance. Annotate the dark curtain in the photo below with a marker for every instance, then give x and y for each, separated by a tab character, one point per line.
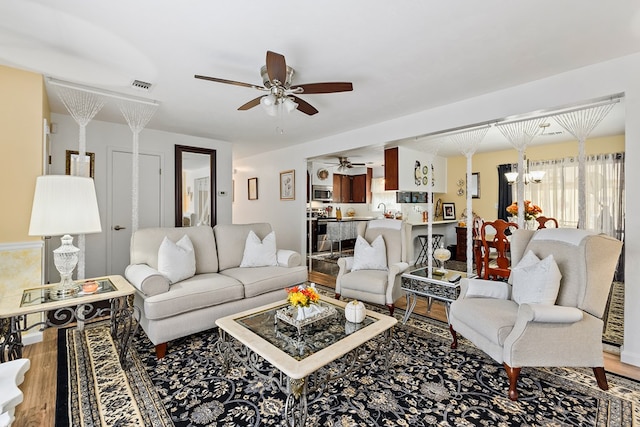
504	191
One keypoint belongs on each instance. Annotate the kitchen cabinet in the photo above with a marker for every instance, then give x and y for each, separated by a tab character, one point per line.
412	170
352	188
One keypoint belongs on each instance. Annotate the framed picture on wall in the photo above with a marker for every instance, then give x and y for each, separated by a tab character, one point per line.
85	166
288	185
253	188
448	211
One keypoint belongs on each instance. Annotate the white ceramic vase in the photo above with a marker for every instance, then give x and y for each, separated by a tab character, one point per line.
355	312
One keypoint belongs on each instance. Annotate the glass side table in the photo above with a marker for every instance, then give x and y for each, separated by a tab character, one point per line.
79	308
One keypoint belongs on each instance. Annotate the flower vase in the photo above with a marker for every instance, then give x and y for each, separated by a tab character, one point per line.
307	312
530	224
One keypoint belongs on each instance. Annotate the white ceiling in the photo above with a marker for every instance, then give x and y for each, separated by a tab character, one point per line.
402	57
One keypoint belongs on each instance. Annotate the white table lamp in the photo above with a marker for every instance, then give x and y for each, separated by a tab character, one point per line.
64	205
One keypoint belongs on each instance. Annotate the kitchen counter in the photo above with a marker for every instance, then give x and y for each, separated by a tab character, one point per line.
347	218
420	223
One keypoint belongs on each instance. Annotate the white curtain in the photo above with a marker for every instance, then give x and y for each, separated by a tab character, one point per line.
558	193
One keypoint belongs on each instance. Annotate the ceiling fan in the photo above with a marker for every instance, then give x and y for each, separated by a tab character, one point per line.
276	78
344	163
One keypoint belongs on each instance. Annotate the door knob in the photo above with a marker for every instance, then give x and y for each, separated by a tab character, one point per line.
117	227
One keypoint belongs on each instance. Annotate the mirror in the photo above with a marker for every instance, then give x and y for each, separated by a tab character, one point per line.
195	181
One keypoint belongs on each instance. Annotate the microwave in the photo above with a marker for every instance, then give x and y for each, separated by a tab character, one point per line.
322	193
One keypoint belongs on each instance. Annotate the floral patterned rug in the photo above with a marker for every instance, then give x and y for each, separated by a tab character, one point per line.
428	384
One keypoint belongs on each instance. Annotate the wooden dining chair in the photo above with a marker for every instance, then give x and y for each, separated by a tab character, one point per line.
542	221
500	267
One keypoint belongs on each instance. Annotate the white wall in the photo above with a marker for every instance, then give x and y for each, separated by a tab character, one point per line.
620	75
104	136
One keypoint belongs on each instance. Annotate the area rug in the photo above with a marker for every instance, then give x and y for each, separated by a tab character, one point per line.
613	333
428	384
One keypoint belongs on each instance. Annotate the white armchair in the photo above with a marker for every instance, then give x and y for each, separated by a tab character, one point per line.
516	333
377	286
11	376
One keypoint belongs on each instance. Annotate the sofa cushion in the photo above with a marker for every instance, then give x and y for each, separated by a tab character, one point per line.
369	256
261	280
199	291
231	238
259	253
145	243
176	261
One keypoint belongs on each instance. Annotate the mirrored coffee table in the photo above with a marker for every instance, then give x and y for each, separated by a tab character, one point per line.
300	358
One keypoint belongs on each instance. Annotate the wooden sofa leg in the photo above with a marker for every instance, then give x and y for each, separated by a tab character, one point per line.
161	350
337	296
513	374
454	343
601	377
391	307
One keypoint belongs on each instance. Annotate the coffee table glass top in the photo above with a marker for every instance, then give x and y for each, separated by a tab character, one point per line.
37	296
315	336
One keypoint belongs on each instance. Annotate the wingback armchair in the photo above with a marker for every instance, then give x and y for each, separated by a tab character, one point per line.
376	284
556	331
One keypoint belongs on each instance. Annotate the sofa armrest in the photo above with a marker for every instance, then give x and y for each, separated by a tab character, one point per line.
287	258
147	280
550	313
345	264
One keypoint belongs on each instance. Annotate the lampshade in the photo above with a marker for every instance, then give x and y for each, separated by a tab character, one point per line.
64	204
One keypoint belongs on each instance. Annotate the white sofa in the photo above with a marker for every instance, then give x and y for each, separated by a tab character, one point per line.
219	288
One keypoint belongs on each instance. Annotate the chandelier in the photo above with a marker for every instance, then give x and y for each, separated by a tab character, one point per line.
528	176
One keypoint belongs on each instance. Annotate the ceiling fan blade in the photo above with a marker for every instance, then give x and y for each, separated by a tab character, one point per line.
325	87
250	104
304	106
276	67
230	82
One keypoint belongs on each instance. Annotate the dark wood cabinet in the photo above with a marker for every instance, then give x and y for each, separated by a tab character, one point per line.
461	244
352	188
391	181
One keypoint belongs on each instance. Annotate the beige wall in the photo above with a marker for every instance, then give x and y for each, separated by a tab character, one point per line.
486	164
23	106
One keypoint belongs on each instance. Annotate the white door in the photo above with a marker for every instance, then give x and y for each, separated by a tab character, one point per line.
149	204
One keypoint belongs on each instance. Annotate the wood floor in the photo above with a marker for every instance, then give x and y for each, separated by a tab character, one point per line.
39	387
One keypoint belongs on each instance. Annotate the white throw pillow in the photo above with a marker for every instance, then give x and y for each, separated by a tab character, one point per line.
369	256
527	260
536	284
259	253
177	261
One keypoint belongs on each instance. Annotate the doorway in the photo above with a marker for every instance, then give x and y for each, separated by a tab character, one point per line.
119	204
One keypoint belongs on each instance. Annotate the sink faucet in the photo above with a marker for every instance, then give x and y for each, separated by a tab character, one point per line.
384	206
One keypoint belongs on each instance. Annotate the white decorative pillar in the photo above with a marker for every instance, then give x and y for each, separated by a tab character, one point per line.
82	106
468	142
520	134
580	123
137	115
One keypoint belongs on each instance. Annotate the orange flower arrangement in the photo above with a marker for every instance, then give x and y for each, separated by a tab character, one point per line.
300	296
530	210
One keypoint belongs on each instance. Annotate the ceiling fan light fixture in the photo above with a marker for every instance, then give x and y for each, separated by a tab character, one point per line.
289	105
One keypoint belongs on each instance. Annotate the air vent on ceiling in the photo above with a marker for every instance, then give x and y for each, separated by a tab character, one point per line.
140	85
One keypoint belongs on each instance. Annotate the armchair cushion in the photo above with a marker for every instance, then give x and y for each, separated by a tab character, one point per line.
177	261
536	282
259	253
369	256
480	288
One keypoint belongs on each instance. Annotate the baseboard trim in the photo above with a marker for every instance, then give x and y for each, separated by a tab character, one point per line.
629	358
32	338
